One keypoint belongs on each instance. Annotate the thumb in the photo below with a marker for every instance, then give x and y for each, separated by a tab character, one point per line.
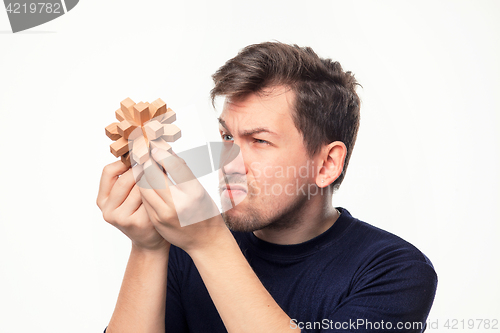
173	165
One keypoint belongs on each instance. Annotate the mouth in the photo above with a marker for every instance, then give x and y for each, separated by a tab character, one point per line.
233	190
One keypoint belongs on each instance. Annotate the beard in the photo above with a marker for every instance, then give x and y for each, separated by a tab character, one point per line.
252	219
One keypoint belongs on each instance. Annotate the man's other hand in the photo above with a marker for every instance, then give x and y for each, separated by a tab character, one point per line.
121	204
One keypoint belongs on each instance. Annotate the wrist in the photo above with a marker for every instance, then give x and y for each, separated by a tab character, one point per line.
220	241
160	250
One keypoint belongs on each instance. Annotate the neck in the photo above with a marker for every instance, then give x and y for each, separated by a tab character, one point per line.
316	217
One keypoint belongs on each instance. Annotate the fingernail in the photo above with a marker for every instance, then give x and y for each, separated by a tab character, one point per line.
137	171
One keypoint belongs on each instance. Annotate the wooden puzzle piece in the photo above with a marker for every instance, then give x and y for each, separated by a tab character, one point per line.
125	128
141	127
127	107
171	132
140	151
126	159
119	147
157	108
141	113
153	130
119	115
169	117
160	144
112	131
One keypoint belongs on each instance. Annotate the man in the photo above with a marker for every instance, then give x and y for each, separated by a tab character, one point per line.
292	262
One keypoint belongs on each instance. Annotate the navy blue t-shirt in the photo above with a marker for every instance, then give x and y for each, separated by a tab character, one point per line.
352	278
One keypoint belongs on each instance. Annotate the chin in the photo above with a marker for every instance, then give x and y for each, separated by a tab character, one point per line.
242	222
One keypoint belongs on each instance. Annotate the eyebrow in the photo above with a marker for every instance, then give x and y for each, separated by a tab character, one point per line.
250	132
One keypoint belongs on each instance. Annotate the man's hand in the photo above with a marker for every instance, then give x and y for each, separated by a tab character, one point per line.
120	201
184	213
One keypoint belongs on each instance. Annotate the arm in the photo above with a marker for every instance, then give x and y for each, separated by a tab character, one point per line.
242	301
141	302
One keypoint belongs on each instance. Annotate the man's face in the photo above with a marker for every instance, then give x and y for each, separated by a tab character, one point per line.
271	182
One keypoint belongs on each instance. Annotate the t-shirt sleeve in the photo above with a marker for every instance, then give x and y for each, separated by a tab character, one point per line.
175	320
392	293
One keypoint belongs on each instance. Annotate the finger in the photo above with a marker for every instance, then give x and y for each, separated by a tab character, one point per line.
154	204
133	201
139	213
155	185
109	176
155	176
120	190
138	171
149	209
175	166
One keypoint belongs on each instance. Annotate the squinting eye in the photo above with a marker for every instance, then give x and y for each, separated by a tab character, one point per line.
261	141
227	137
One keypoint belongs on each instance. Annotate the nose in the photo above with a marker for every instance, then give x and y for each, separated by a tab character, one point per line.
232	160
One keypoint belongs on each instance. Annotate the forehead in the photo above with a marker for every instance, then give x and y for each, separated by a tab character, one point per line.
272	108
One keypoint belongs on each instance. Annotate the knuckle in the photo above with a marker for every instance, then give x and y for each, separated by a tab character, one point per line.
122	218
198	194
107	170
174	163
164	216
123	184
108	216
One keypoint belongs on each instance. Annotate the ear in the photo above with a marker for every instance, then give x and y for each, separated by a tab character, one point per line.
330	163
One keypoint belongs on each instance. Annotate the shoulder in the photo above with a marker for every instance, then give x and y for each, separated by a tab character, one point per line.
365	240
387	273
382	257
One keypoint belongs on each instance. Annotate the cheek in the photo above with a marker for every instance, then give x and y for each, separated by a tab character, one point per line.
280	167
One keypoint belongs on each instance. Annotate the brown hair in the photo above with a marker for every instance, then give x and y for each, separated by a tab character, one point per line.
326	103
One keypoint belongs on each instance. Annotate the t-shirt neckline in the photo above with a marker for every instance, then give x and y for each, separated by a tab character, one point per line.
306	248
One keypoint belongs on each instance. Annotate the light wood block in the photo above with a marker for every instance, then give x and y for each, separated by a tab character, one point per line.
119	115
153	130
171	132
112	131
169	117
140	151
161	144
119	147
125	128
157	108
126	159
141	113
127	106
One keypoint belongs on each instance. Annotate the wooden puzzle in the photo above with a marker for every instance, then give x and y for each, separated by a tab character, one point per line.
141	127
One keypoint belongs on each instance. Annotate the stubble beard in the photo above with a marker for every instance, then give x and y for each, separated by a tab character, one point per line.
273	218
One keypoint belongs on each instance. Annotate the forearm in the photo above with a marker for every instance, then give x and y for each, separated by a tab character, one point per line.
240	298
141	302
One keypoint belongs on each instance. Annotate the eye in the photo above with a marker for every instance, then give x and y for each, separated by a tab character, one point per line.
261	141
227	137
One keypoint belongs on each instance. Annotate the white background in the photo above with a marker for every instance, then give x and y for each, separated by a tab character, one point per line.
425	165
